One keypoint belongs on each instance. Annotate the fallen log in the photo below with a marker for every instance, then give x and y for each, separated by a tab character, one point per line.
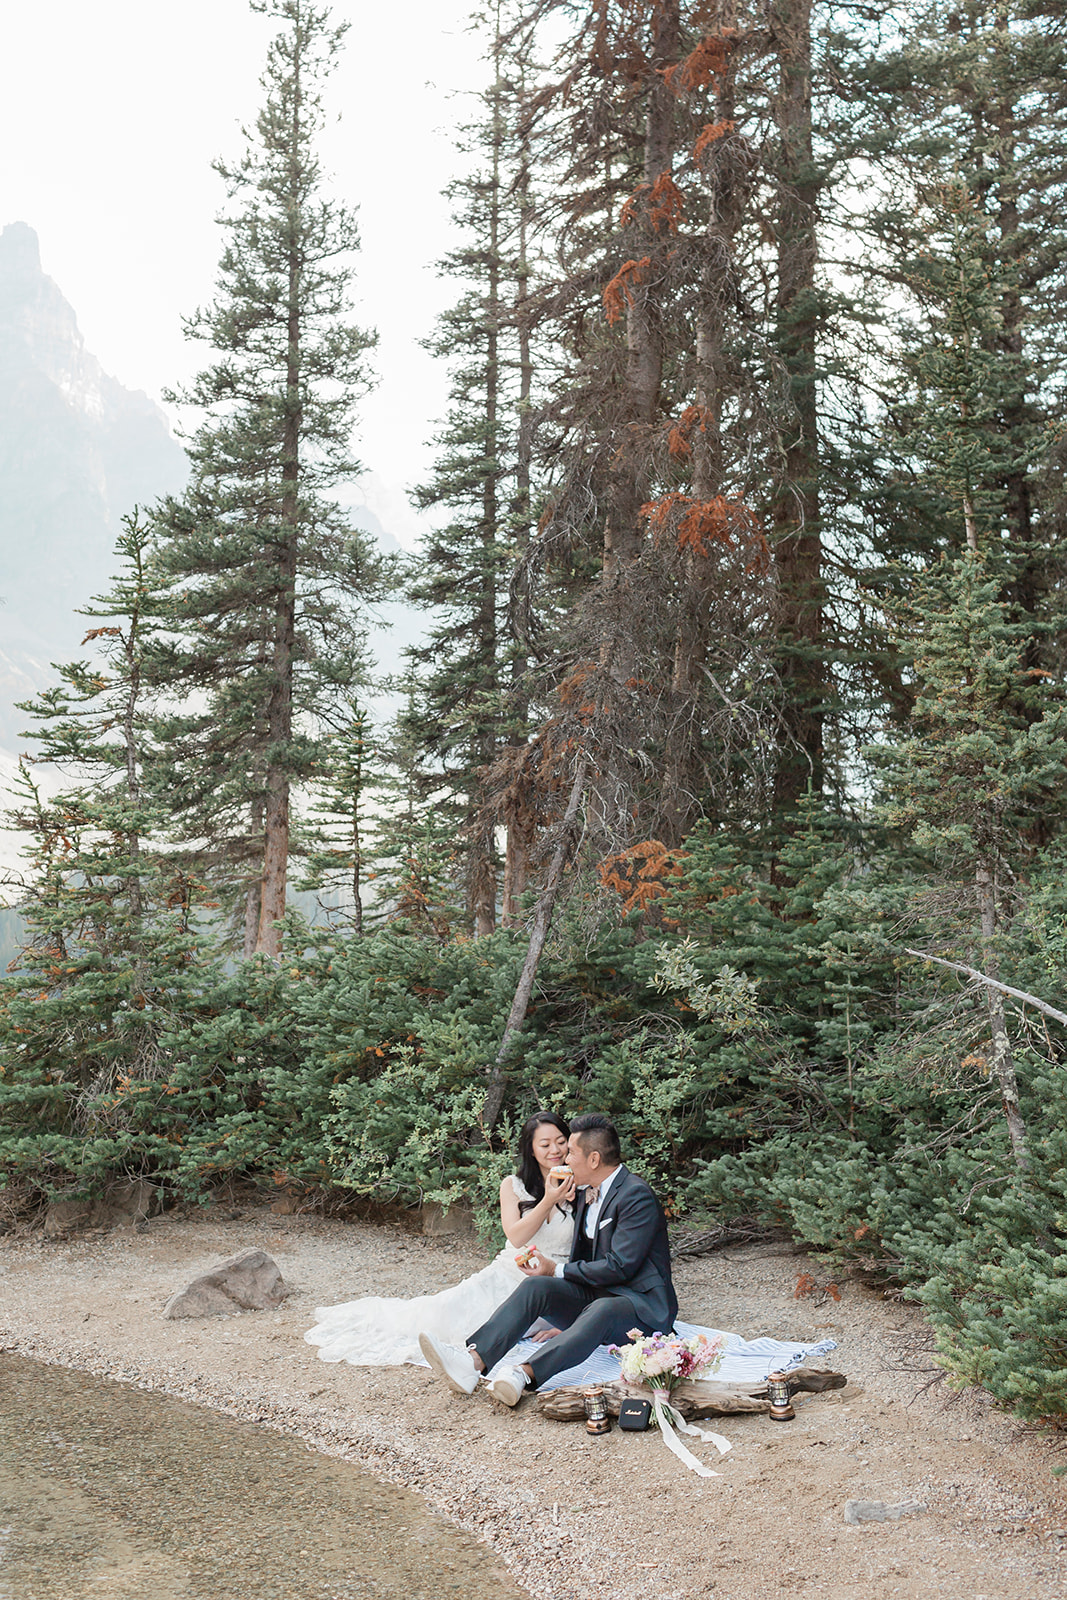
699	1399
687	1244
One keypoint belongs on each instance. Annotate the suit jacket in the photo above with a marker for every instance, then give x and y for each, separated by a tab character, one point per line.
630	1254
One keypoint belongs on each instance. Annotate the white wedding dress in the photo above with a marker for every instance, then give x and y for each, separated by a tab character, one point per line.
375	1332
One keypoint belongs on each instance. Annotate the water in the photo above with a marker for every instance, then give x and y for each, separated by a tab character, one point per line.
107	1492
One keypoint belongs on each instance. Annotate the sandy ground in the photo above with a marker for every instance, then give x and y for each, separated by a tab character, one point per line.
576	1517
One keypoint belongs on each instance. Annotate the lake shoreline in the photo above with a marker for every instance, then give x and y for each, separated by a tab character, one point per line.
567	1513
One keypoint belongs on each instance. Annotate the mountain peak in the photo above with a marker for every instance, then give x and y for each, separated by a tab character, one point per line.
77	452
20	251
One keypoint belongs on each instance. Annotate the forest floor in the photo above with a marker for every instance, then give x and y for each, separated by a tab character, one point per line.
575	1517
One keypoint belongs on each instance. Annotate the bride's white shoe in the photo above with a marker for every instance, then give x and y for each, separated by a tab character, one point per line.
450	1363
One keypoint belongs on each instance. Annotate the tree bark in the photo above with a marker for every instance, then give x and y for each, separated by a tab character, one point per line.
797	541
728	193
482	856
280	705
516	868
518	831
628	476
1003	1060
546	905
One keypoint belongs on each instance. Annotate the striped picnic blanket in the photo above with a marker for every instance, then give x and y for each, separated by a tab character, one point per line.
746	1361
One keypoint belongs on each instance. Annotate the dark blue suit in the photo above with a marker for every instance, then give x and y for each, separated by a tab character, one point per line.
617	1281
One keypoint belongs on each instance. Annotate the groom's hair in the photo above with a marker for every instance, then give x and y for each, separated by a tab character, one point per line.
597	1132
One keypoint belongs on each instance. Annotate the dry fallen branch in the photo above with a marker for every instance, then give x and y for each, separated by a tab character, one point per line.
687	1245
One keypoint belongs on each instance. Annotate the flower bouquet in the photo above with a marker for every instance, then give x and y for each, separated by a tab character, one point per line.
661	1363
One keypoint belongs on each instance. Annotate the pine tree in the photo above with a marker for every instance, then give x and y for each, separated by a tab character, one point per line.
264	573
109	942
982	753
985	748
636	292
966	102
337	857
416	863
959	380
465	712
799	314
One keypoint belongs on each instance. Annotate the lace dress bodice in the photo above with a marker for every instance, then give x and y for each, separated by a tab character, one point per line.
553	1237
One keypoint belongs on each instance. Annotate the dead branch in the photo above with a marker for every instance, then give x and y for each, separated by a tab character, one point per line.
991	983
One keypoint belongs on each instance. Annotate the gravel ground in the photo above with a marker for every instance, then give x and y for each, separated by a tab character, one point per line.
571	1516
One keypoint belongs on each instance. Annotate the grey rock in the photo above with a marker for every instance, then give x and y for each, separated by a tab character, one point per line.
438	1223
880	1510
123	1205
64	1215
249	1281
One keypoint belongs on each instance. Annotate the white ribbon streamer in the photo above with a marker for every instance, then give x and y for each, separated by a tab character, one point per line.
669	1419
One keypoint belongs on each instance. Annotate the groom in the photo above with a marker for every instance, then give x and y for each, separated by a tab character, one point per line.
618	1278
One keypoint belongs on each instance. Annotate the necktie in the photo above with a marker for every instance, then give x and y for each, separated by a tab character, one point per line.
592	1195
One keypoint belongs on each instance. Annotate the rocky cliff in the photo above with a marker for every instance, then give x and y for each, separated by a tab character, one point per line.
77	452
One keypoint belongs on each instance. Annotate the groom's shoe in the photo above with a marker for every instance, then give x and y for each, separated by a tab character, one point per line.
450	1363
508	1385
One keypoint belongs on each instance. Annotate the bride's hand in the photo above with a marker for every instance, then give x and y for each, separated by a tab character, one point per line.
559	1189
546	1333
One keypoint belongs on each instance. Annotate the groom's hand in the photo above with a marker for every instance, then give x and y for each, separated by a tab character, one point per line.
539	1267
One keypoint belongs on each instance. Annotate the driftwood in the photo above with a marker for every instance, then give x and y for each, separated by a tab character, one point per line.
688	1243
700	1399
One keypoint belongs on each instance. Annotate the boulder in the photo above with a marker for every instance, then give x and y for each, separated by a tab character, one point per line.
880	1511
120	1206
458	1220
249	1281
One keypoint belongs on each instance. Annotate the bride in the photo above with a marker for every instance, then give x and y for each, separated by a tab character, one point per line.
535	1209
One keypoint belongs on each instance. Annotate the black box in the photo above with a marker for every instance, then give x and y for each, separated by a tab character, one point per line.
635	1415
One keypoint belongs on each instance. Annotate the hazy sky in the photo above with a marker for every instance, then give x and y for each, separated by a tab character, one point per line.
110	116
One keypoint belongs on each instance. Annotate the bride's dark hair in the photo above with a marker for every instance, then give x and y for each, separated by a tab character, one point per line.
527	1171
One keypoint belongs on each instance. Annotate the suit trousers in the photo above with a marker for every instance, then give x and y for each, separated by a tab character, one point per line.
588	1319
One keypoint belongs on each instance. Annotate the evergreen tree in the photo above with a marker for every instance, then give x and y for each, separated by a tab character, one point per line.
985	749
417	868
982	752
680	436
959	380
263	571
109	945
337	857
462	717
962	110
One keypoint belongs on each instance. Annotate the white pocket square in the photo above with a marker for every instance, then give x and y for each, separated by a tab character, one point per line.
605	1224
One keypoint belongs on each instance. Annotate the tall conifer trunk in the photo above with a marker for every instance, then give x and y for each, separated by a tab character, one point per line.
797	539
519	831
727	183
628	476
264	570
482	857
280	705
1003	1064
